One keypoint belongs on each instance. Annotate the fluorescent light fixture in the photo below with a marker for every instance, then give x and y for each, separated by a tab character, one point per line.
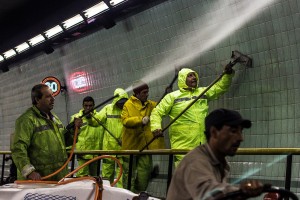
10	53
73	21
116	2
22	47
1	58
95	10
54	31
36	40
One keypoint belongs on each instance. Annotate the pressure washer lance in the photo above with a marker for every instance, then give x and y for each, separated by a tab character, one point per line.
181	113
169	88
71	125
238	57
110	133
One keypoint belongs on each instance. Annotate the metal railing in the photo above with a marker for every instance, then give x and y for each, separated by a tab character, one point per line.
289	152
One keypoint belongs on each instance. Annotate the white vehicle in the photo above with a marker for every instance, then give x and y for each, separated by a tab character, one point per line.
75	190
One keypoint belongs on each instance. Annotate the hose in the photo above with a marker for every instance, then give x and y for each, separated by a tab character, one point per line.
98	196
63	181
71	125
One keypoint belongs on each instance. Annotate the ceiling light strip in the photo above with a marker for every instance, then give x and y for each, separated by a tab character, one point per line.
70	23
22	47
53	31
116	2
10	53
95	10
36	40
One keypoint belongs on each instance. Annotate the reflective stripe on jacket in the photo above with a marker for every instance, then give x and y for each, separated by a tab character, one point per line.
38	142
110	116
187	131
90	134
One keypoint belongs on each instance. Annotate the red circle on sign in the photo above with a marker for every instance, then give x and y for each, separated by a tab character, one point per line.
53	83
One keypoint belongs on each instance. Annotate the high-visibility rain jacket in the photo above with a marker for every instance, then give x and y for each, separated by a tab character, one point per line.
187	131
90	134
39	144
134	134
110	117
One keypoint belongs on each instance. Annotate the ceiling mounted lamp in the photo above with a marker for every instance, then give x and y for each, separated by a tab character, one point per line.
116	2
1	58
22	47
54	31
95	10
36	40
72	22
10	53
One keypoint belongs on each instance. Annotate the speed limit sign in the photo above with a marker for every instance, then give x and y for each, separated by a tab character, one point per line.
53	83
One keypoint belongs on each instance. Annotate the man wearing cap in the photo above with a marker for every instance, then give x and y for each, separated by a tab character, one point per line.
110	117
203	172
136	134
187	131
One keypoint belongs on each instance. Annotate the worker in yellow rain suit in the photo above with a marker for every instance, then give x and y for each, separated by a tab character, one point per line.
136	134
90	137
187	131
110	117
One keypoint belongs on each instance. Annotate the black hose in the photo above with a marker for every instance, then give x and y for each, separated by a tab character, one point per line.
168	88
71	125
109	132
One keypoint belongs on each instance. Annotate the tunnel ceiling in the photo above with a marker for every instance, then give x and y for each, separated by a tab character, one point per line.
21	20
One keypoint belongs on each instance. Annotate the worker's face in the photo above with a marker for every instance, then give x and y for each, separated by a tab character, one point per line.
228	140
191	80
46	103
88	106
143	95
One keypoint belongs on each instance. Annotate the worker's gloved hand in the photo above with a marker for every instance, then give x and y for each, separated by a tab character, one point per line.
252	188
146	120
78	122
34	176
89	115
228	68
157	133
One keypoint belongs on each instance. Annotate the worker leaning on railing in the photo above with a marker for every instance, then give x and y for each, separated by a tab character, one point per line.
39	144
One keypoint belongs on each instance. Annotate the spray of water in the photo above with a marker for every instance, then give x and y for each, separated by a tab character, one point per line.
218	23
251	172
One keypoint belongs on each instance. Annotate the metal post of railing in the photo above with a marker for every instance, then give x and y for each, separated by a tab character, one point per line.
98	166
2	172
130	171
170	170
288	172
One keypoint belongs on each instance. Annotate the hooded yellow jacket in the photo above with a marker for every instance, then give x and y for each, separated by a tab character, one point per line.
110	117
187	131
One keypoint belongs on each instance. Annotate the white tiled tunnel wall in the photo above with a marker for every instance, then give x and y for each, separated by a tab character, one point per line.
160	38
